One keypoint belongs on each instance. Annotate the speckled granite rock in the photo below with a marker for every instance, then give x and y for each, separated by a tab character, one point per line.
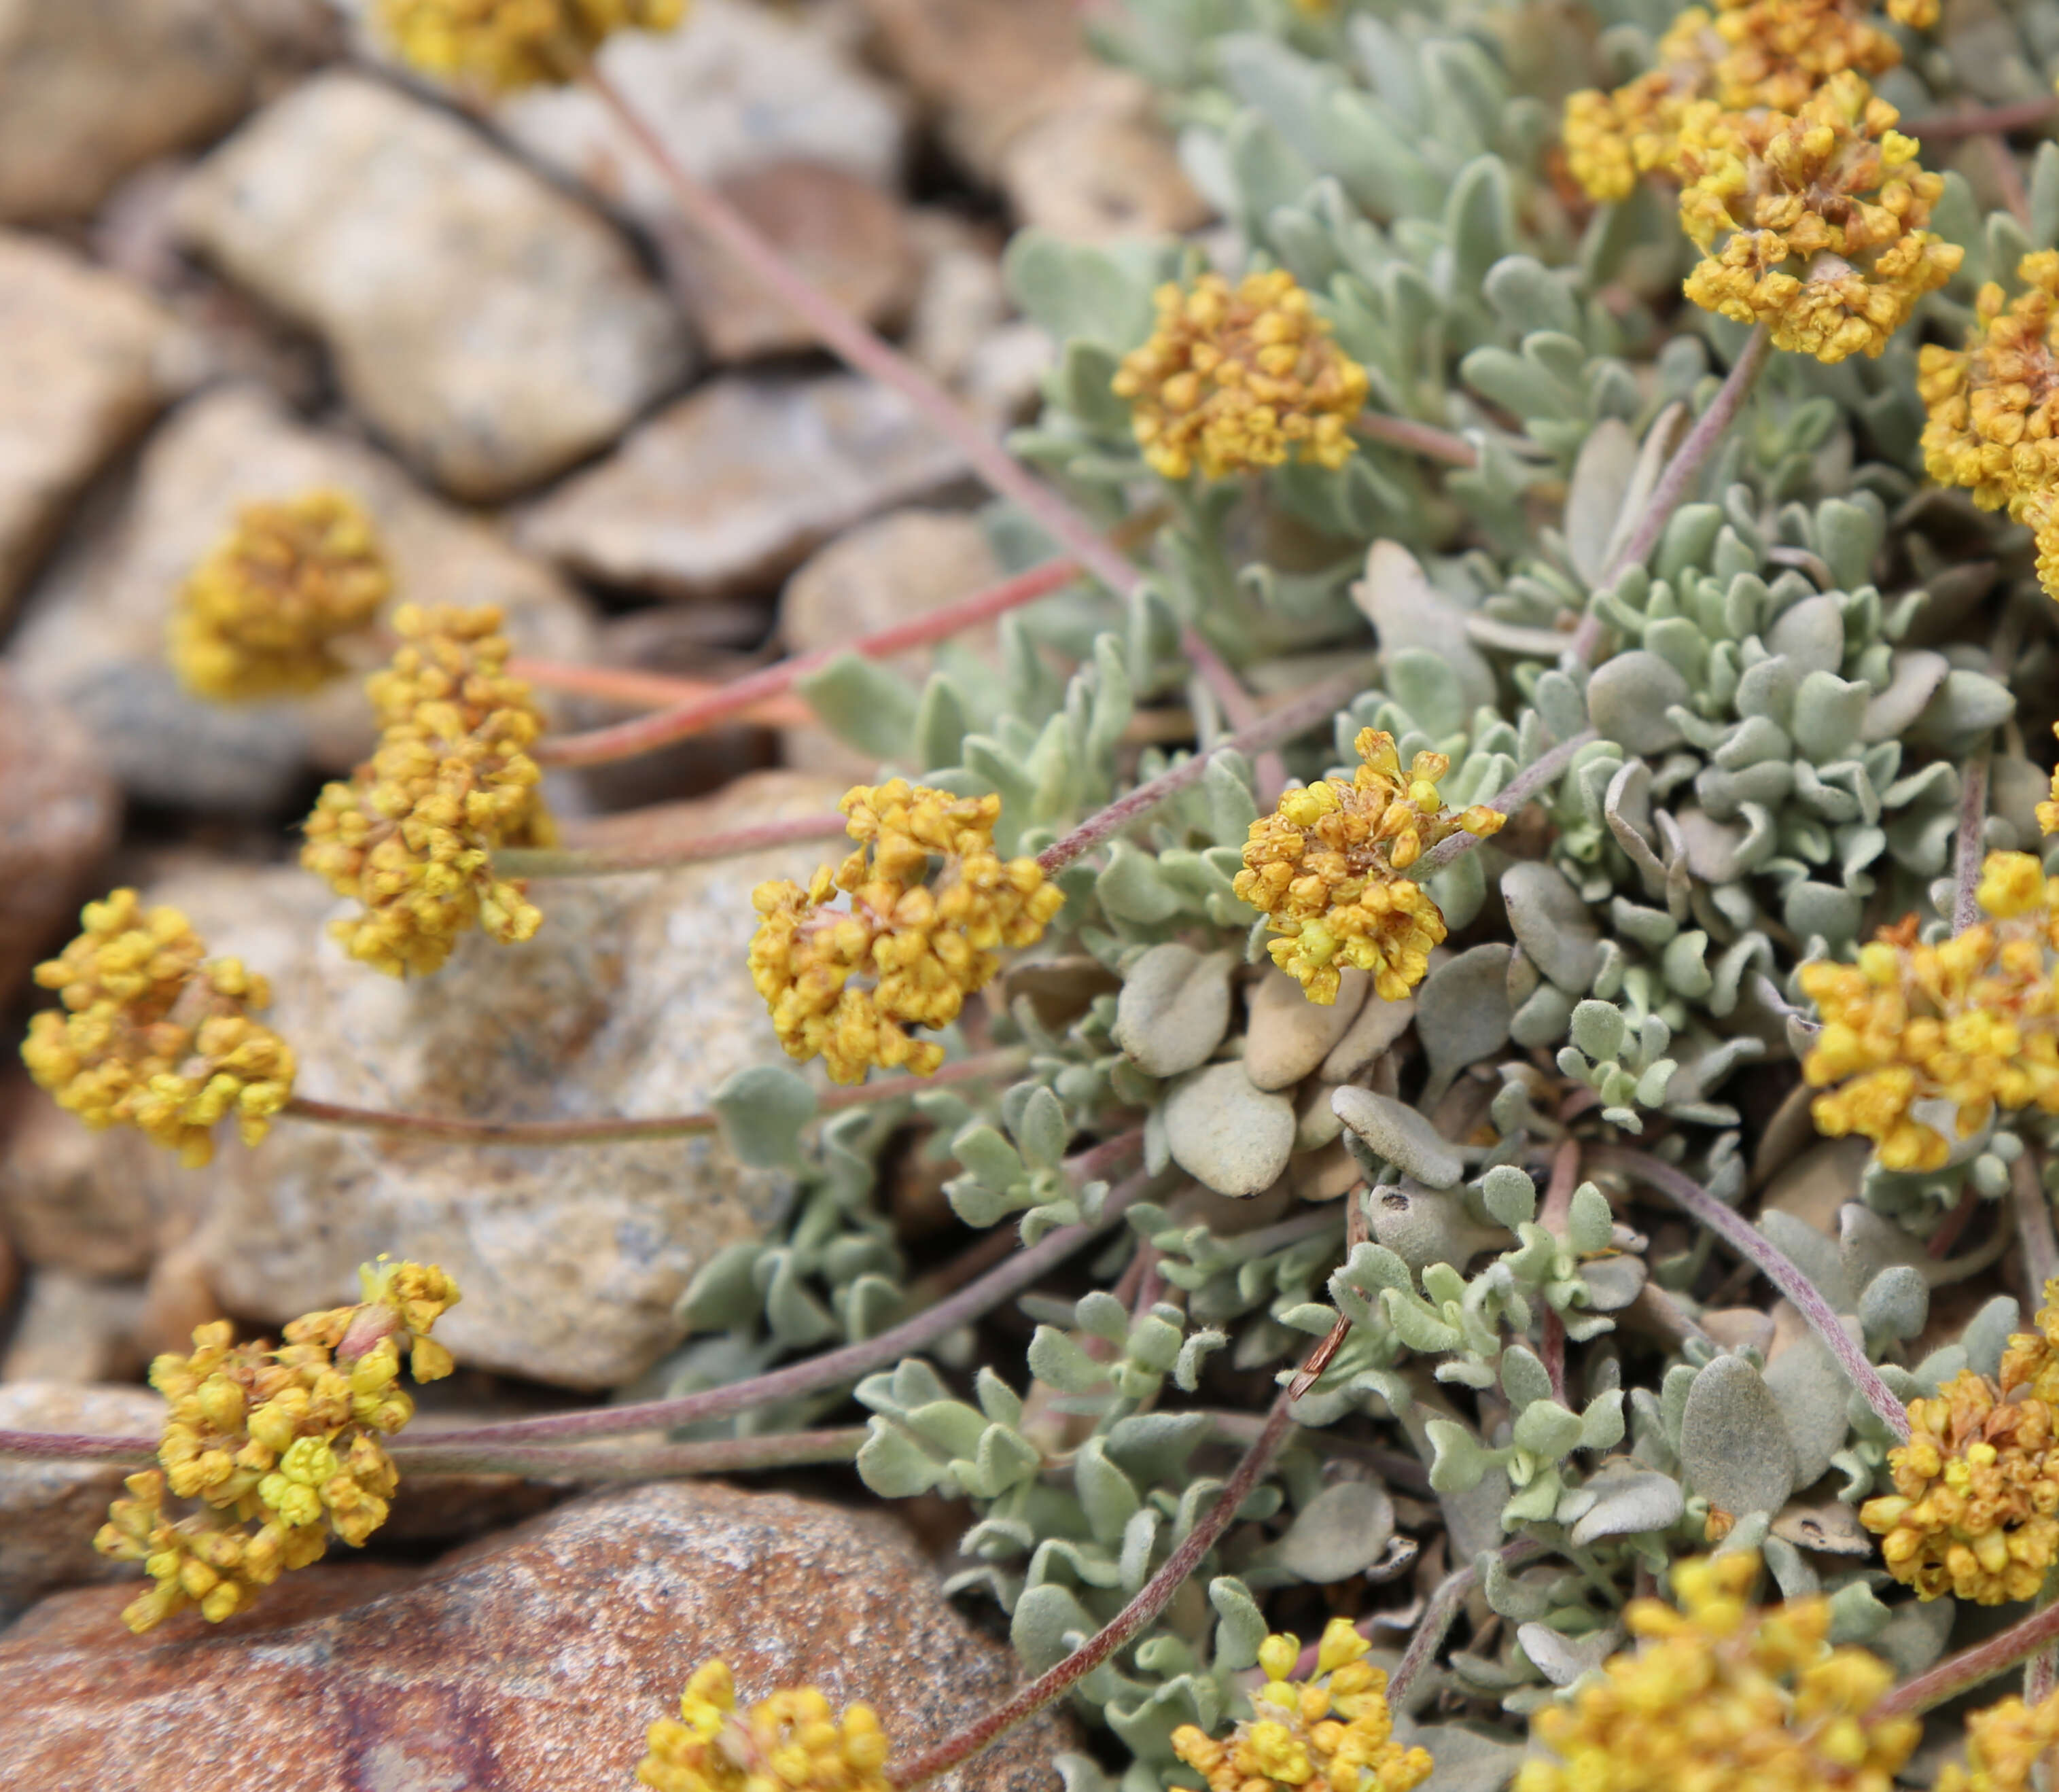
531	1661
94	631
494	330
49	1510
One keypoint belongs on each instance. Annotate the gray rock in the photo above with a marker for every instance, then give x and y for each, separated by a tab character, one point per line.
1174	1008
1628	697
493	329
1286	1035
50	1511
1099	165
85	359
1229	1136
72	1328
731	487
93	630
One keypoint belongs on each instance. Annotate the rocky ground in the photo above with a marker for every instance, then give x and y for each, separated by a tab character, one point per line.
240	256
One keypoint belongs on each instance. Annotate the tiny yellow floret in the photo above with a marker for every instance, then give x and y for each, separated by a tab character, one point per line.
790	1742
155	1034
505	45
1324	867
925	939
413	835
259	616
1720	1694
1232	378
2004	1743
271	1450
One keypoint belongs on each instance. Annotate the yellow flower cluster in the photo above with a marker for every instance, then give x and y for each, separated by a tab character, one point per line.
413	835
926	941
1972	1021
1746	56
789	1742
1720	1695
1811	222
155	1034
1993	406
2003	1744
504	44
1330	1733
257	617
277	1446
1975	1511
1237	378
1323	868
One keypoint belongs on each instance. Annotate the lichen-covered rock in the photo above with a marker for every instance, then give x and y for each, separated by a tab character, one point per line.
494	330
534	1661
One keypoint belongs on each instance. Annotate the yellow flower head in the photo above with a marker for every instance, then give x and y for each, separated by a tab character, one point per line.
1721	1694
1811	223
1323	868
1237	378
2003	1744
1972	1021
271	1450
509	44
1332	1732
1746	56
790	1742
257	617
411	835
925	941
155	1034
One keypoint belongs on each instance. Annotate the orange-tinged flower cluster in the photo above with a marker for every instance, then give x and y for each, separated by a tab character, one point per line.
925	940
1332	1732
155	1034
2003	1744
1994	404
1971	1022
413	835
1811	222
259	616
791	1742
1323	868
1746	56
504	44
1234	377
273	1450
1719	1694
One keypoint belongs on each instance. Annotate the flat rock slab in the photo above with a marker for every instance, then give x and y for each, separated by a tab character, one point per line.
531	1661
494	330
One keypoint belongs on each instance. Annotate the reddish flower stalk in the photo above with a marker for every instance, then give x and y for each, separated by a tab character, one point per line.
1425	439
1538	776
1945	127
1431	1628
641	690
1968	1669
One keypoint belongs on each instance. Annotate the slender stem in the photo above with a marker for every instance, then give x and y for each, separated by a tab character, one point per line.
1968	1669
1317	703
1558	1205
1425	439
596	862
846	1364
1544	771
642	689
431	1455
1967	853
1774	1264
1675	484
58	1445
1452	1592
1152	1598
2032	1214
1943	127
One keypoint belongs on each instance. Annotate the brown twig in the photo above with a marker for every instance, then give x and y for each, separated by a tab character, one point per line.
1944	127
1452	1592
1558	1205
2032	1211
432	1455
1971	1667
596	862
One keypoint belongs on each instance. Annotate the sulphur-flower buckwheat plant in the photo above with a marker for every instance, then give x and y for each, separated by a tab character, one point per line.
506	44
413	835
1970	1024
259	616
1721	1694
274	1449
790	1742
155	1034
1324	868
1240	377
926	941
1332	1732
1811	223
2004	1743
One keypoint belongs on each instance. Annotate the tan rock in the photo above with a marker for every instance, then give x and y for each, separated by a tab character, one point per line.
85	359
731	487
75	1199
494	330
532	1663
1098	165
49	1510
59	814
94	631
72	1329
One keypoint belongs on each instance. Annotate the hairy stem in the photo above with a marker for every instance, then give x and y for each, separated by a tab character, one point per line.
58	1445
432	1455
1425	439
1773	1263
575	862
1968	1669
1676	482
1967	853
1548	767
2032	1210
641	690
1944	127
1452	1592
1152	1598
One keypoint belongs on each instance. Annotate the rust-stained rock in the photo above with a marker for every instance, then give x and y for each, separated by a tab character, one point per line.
531	1661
